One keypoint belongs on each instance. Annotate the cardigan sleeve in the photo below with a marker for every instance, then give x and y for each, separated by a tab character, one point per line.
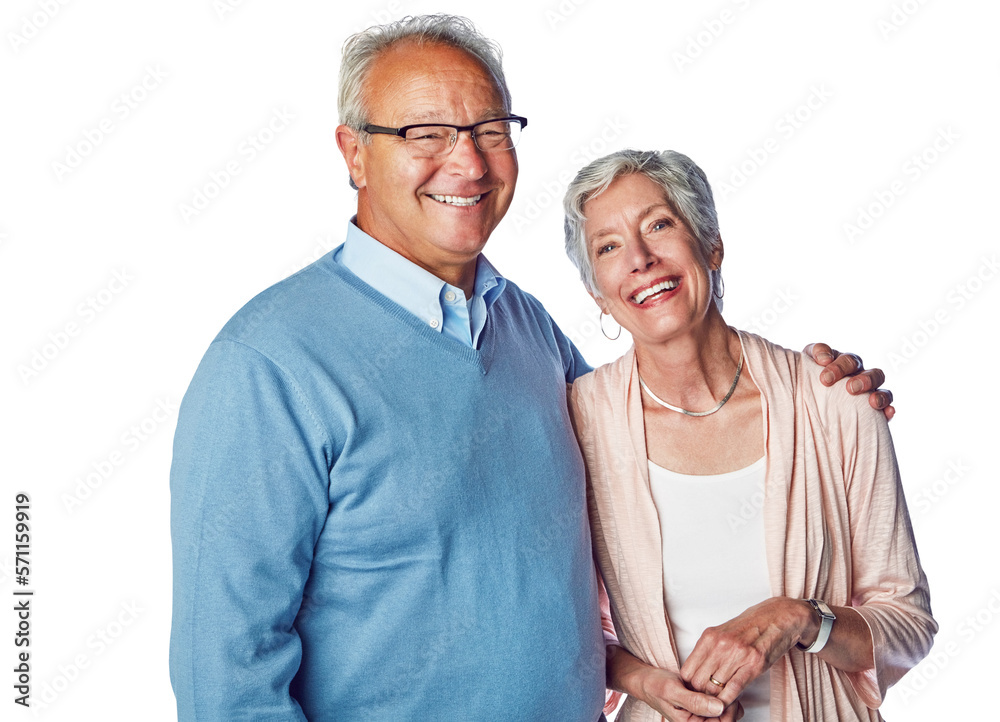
578	415
249	496
889	588
611	698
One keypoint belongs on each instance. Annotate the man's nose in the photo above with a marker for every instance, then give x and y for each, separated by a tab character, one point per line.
466	157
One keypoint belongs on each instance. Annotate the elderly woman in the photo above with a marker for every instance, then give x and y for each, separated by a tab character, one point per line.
748	522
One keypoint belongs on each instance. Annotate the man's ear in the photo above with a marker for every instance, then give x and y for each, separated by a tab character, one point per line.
351	148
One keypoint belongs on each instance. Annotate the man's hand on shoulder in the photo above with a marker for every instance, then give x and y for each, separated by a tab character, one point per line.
838	365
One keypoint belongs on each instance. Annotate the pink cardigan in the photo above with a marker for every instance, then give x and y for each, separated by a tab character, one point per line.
836	528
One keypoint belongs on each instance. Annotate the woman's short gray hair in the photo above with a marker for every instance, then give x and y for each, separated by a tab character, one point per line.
362	49
684	183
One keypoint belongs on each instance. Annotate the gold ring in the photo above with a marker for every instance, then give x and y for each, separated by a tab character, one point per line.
716	682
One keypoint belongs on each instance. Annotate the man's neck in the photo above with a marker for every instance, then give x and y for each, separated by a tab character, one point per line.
460	273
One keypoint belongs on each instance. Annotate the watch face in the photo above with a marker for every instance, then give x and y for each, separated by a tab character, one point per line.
823	608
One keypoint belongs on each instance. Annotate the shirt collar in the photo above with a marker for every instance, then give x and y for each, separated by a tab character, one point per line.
489	283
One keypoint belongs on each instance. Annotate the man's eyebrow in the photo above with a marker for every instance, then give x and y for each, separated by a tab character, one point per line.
422	118
491	113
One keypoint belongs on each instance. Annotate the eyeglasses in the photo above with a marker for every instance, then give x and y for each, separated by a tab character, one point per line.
433	140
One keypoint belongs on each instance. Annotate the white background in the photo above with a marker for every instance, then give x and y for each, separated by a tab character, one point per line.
715	80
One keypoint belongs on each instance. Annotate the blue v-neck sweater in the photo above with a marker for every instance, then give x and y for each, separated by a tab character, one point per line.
373	522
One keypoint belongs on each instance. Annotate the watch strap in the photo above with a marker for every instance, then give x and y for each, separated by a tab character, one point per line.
826	620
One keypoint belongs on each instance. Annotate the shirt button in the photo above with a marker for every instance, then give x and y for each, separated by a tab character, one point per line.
450	296
435	323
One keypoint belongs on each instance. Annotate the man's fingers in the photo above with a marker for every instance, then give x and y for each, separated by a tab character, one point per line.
843	365
821	353
880	399
847	364
866	381
861	383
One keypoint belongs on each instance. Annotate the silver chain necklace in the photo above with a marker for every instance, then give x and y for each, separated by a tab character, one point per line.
678	409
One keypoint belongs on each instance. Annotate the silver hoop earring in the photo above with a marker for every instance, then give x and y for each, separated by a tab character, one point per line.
720	285
601	321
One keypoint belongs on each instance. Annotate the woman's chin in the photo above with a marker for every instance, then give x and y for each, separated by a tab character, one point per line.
671	330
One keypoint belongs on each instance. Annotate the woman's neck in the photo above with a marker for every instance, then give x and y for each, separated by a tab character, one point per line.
694	370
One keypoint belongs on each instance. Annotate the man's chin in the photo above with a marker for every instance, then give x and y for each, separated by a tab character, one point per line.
464	238
464	247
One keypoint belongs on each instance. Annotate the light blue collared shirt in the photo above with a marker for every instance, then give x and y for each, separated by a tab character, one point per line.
442	306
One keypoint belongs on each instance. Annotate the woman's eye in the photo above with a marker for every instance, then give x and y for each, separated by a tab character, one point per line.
605	248
661	224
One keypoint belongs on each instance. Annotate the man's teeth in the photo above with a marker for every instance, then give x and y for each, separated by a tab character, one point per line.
652	290
457	200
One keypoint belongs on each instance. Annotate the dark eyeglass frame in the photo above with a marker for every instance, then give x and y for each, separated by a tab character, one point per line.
401	132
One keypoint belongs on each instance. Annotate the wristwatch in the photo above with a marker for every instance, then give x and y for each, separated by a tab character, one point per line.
826	620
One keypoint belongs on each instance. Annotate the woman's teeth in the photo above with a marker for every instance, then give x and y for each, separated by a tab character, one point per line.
653	290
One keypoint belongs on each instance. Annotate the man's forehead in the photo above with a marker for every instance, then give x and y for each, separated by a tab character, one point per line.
423	83
439	116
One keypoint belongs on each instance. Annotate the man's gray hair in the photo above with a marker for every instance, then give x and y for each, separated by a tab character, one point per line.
362	49
684	183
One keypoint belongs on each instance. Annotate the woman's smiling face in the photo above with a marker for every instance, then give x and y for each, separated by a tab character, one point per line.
650	270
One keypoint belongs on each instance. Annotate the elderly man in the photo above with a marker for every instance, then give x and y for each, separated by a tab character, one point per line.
378	506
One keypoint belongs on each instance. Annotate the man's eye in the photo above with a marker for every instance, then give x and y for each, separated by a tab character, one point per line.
427	137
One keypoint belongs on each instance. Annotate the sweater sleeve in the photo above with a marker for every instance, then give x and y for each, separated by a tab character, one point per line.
574	365
889	587
249	496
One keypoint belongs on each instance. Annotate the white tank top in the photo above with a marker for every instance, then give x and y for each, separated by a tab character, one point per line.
714	563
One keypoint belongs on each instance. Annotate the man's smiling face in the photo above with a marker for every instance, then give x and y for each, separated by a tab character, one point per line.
437	212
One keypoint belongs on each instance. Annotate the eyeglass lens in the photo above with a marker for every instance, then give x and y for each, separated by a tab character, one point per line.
438	139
